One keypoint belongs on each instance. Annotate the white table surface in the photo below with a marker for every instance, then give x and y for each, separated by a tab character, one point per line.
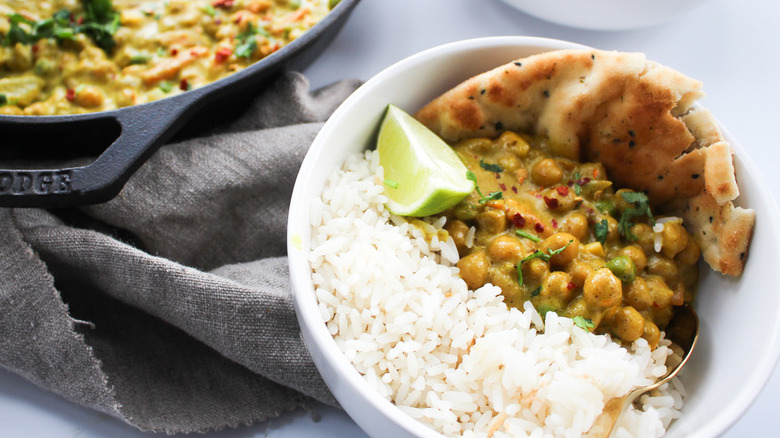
730	45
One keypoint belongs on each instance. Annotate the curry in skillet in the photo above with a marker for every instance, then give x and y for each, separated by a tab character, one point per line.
76	56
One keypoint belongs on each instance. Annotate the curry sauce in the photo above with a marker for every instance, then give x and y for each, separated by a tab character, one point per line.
556	232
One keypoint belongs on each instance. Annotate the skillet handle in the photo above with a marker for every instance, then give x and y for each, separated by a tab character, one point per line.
143	129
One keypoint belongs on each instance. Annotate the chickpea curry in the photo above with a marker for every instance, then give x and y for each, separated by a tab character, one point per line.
556	232
77	56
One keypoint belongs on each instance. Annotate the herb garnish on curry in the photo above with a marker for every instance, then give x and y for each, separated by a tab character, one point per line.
76	56
554	231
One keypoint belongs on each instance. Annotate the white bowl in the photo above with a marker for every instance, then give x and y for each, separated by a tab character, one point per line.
606	14
740	325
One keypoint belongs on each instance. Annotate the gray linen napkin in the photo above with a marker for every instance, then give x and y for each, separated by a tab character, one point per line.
169	307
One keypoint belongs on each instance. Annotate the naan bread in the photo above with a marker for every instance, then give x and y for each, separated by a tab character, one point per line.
635	116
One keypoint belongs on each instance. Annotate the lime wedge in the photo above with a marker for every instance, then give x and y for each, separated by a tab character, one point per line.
423	175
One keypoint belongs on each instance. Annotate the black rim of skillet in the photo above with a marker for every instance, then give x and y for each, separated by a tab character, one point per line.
135	132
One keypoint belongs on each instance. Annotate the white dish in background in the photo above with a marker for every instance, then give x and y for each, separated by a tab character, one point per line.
606	14
730	365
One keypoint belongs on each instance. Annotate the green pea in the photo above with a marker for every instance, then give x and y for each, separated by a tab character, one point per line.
623	268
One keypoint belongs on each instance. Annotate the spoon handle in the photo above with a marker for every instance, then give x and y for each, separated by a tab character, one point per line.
602	427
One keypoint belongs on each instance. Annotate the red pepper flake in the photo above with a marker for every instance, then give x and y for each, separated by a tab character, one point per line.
518	220
80	20
503	187
222	54
174	52
184	85
70	94
595	174
571	286
222	4
563	190
498	175
583	181
35	48
552	203
554	223
238	19
539	227
514	189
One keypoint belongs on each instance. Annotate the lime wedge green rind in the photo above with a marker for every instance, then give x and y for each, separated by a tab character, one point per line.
429	175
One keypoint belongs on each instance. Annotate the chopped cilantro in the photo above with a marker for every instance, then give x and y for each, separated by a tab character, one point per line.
209	10
3	99
99	21
583	323
332	3
601	231
246	42
640	206
528	235
536	291
166	86
577	186
538	255
140	58
483	199
490	167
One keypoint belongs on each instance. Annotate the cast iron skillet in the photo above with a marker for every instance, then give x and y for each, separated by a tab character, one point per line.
133	132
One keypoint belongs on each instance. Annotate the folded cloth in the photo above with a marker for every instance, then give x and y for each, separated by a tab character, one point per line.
169	307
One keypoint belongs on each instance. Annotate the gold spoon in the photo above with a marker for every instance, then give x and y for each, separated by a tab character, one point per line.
683	330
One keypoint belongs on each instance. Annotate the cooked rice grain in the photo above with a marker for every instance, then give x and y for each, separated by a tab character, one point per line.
461	361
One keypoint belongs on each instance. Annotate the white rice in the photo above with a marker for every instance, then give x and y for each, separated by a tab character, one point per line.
461	361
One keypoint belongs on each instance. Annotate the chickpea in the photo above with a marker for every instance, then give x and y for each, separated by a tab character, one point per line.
578	307
674	238
89	97
575	224
569	243
613	234
579	270
660	293
560	202
505	247
637	294
514	143
690	255
659	265
474	269
635	253
644	237
458	231
628	324
546	172
557	285
11	110
509	162
506	281
258	6
620	203
535	269
652	334
602	289
623	268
